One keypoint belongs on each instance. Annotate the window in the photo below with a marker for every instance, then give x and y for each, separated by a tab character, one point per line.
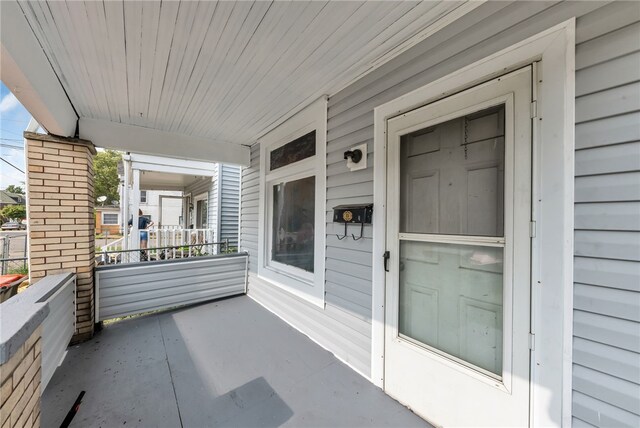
293	223
110	218
291	236
143	196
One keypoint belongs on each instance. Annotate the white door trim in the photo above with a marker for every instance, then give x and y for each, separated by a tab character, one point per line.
553	196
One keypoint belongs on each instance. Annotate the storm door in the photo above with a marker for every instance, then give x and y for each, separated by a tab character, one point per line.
458	281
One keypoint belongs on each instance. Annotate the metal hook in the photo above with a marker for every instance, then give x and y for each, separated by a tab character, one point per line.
361	233
345	233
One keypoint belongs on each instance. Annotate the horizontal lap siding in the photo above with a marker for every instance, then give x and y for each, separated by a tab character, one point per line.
335	327
142	287
229	203
606	352
249	208
490	28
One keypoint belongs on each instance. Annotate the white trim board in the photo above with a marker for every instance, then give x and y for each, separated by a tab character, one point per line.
313	117
132	138
28	74
553	195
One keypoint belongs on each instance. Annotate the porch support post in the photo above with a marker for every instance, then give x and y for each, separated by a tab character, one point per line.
135	206
60	211
126	194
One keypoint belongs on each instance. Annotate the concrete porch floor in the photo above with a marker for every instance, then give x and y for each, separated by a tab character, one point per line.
224	363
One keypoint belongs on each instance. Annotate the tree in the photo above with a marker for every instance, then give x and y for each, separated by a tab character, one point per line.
14	189
106	181
17	212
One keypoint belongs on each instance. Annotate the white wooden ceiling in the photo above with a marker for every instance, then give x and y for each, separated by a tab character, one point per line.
226	71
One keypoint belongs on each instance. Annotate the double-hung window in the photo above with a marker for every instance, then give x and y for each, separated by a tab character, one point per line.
292	201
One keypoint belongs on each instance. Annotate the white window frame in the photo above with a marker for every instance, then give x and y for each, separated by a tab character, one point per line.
143	192
204	196
552	208
306	285
117	223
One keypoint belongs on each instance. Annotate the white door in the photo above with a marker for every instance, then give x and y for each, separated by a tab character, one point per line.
458	234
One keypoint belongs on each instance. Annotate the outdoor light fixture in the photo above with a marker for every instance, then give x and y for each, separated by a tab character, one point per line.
356	157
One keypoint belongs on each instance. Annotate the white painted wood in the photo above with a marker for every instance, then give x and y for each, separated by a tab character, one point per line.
26	71
552	363
152	141
172	165
309	286
212	69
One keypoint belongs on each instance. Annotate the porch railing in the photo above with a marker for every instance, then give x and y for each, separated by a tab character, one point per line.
178	237
170	252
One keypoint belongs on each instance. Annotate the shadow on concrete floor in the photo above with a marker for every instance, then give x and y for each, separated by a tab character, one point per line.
224	363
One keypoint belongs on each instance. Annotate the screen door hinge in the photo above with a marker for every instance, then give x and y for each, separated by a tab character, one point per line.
534	109
532	229
532	341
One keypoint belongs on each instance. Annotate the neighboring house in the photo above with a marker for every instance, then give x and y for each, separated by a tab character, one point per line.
7	198
202	195
163	207
108	220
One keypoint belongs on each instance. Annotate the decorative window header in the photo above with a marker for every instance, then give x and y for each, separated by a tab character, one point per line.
294	151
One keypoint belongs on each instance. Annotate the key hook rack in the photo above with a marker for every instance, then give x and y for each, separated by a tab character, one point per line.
353	214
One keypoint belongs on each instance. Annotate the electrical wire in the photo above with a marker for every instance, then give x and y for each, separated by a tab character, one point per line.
4	160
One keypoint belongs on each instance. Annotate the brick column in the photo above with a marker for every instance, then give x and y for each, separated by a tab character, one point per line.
60	209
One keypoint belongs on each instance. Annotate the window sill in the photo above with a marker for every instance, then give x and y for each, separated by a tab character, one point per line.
301	288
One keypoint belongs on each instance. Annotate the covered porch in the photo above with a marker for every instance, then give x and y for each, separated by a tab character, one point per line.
224	363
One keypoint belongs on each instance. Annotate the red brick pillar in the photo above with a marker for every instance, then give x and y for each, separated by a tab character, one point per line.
60	209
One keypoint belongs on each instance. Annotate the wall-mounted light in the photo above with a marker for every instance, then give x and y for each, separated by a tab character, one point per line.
356	157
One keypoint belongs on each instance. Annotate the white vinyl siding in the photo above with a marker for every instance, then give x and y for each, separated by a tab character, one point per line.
606	353
223	209
607	192
229	176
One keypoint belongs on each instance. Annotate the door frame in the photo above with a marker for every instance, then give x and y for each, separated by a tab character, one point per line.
553	54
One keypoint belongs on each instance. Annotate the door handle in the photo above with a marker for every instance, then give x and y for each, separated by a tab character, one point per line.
386	257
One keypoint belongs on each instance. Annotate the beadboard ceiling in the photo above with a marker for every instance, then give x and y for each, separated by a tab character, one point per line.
225	71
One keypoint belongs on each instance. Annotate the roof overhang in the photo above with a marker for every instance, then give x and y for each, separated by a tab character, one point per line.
154	142
198	80
26	71
166	173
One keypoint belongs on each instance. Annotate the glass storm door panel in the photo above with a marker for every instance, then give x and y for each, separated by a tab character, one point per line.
458	291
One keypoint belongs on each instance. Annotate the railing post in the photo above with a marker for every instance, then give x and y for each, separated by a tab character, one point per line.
6	246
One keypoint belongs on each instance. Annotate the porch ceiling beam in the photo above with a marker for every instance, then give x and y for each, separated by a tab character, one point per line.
138	139
26	71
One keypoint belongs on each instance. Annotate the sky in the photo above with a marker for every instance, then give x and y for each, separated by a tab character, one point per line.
13	121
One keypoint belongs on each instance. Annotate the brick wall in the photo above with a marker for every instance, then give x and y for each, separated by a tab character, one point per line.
20	385
60	209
